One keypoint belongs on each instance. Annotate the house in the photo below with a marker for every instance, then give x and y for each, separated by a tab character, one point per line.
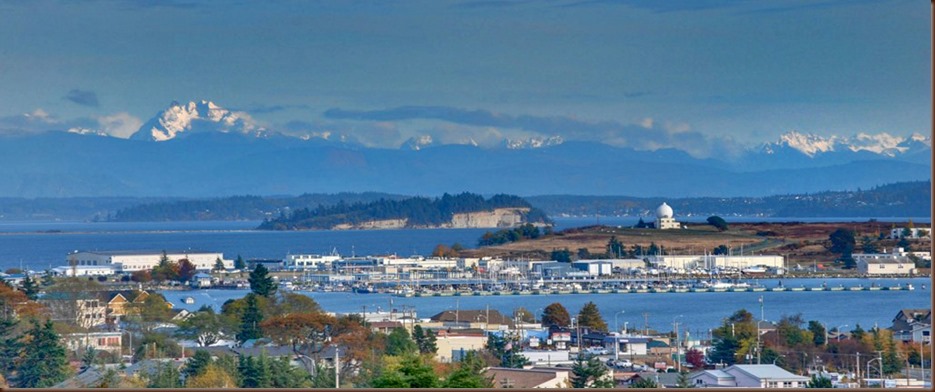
119	303
84	309
528	378
748	376
913	325
627	345
451	344
663	380
895	263
104	341
484	319
202	280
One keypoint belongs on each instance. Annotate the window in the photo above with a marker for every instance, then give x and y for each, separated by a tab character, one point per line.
787	384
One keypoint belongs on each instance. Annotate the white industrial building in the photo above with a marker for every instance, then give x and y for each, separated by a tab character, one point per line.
711	262
594	267
309	262
129	261
664	218
84	270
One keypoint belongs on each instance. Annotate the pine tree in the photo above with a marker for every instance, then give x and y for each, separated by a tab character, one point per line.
260	281
590	316
165	376
9	345
30	288
239	263
218	265
197	364
589	372
250	320
44	363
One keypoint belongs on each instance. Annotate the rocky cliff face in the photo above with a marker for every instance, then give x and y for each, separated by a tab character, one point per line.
498	218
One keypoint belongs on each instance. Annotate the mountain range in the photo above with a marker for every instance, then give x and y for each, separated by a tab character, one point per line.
200	149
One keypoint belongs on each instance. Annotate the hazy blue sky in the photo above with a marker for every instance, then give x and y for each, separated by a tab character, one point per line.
630	72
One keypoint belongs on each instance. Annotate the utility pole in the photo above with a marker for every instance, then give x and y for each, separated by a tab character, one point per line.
337	369
858	369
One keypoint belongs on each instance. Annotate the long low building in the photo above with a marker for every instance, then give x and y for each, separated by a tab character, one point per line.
716	261
129	261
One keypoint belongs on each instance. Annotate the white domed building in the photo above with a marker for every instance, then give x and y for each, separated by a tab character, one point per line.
664	219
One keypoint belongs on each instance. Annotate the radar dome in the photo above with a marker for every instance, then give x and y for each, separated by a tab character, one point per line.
664	211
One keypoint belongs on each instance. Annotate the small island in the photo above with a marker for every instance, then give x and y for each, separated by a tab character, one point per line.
465	210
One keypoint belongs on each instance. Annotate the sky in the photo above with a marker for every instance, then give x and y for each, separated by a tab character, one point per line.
696	75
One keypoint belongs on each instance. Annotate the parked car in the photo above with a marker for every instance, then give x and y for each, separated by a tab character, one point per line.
620	363
596	351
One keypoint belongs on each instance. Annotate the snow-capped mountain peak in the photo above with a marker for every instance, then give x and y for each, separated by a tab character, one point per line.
812	145
533	142
200	116
417	143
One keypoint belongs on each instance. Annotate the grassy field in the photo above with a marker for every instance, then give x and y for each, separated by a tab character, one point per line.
803	243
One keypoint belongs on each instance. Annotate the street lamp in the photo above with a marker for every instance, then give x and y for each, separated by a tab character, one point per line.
758	341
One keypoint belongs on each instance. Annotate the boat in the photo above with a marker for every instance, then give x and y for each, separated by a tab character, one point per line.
755	270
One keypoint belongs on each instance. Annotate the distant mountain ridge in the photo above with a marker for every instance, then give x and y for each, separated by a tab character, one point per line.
200	149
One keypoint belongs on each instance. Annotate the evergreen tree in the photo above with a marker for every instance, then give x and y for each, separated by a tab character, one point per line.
589	372
44	363
197	364
858	333
819	334
590	316
165	376
561	255
283	375
30	288
819	382
425	340
644	383
506	351
468	374
399	343
260	281
555	314
250	320
684	381
9	344
615	249
239	263
218	265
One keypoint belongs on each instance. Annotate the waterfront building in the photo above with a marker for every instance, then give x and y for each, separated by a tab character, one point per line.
84	270
748	376
302	262
895	263
712	262
594	267
664	218
129	261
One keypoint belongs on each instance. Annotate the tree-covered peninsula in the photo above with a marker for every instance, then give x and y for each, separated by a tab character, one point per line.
462	210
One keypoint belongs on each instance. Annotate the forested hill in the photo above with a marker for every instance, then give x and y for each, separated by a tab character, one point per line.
905	199
413	212
240	207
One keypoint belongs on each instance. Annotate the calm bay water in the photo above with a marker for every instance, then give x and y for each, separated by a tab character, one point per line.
699	311
39	245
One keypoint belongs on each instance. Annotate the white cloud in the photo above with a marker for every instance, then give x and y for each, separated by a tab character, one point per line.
120	125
